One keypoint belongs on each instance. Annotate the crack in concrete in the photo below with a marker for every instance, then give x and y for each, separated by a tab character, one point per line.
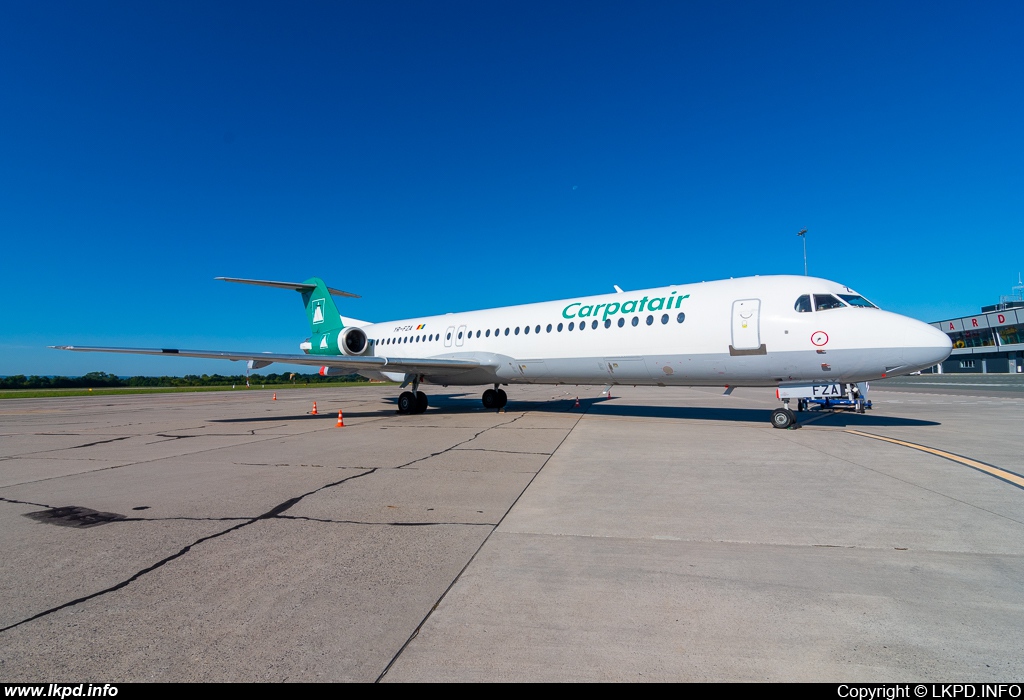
378	524
272	513
276	513
27	503
456	445
132	464
507	452
99	442
183	437
127	519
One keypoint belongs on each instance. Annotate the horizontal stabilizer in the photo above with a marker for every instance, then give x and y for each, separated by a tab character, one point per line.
295	286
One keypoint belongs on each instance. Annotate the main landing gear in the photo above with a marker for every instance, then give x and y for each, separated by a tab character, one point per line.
411	402
495	398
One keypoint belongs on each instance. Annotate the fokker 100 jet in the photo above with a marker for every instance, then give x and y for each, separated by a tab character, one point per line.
804	335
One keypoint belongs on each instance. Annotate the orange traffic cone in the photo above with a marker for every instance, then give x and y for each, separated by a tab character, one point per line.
313	412
341	421
577	402
275	397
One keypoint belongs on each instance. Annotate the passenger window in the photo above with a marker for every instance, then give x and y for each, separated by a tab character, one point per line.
622	322
478	334
559	327
803	304
526	330
460	335
506	331
681	317
488	333
650	320
517	330
572	325
607	323
664	319
594	324
636	320
549	328
449	336
537	329
824	302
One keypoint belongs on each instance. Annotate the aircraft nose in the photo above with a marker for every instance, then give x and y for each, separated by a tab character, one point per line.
924	345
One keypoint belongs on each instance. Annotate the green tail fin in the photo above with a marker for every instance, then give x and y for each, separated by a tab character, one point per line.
316	297
320	309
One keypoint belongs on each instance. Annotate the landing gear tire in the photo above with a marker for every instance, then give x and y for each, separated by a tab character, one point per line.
407	403
782	418
491	399
421	402
502	398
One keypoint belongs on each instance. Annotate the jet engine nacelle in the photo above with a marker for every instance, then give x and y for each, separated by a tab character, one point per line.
353	341
348	341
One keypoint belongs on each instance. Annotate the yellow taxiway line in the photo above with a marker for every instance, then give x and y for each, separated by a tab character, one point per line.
1015	479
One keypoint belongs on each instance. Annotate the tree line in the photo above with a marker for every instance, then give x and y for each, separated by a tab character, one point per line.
97	380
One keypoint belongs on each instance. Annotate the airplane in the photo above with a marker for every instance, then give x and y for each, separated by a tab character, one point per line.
806	336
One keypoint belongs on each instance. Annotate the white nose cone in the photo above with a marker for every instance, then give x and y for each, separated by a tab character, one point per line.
924	346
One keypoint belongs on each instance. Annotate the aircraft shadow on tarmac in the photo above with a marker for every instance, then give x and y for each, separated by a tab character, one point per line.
750	415
465	403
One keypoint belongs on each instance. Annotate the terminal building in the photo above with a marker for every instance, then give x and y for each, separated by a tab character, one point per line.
990	342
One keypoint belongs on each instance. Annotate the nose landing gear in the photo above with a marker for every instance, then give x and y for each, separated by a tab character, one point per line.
783	417
826	397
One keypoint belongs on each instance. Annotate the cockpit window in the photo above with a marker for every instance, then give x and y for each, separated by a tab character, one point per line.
803	304
823	302
857	300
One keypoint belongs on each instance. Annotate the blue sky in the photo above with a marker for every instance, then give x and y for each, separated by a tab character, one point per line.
444	156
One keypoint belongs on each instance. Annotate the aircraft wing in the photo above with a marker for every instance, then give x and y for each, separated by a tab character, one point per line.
410	365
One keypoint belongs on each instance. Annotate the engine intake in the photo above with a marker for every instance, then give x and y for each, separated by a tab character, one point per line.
353	341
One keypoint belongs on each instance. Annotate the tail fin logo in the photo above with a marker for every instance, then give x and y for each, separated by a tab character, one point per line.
318	311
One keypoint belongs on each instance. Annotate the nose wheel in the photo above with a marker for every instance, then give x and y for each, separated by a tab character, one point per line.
783	418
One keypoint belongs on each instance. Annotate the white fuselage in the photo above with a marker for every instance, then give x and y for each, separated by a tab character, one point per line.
733	332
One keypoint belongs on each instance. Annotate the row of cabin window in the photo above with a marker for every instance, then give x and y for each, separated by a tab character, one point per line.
680	317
